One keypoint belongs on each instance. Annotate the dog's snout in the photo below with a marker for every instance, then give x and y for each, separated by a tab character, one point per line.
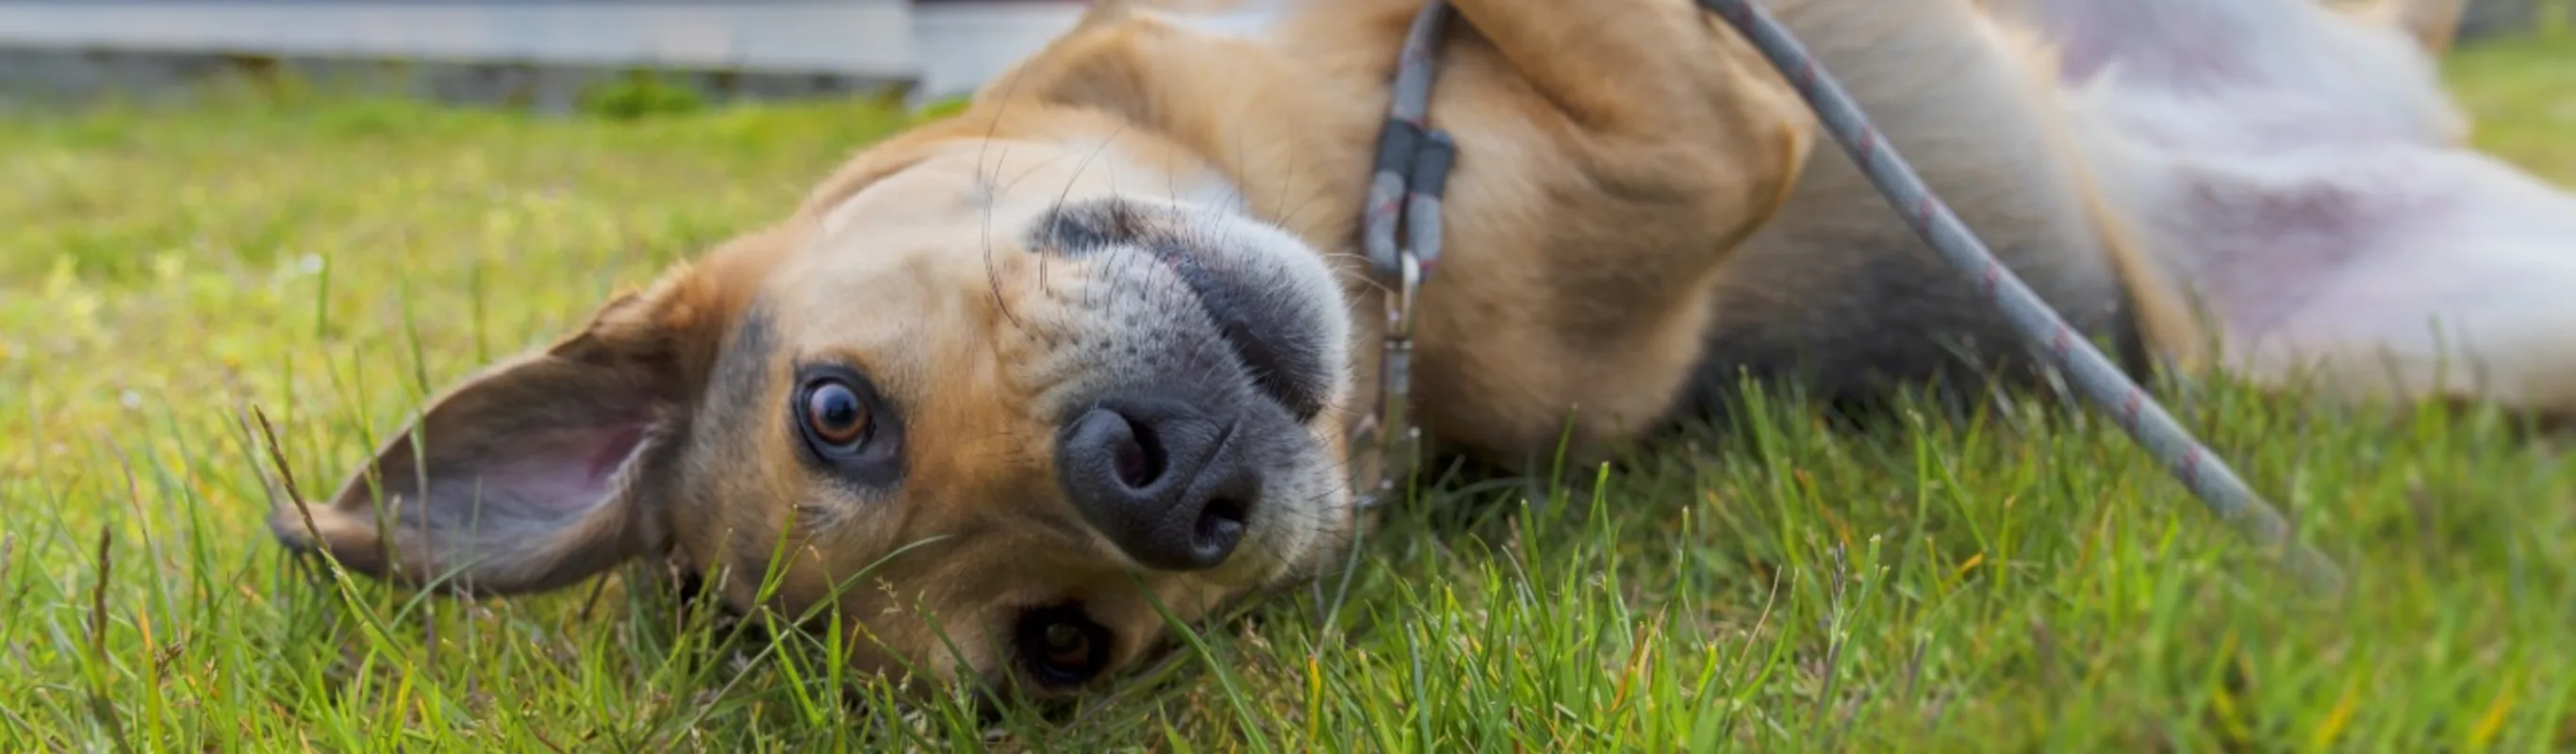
1163	481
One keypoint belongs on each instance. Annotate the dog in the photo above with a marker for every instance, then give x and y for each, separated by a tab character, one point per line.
1008	388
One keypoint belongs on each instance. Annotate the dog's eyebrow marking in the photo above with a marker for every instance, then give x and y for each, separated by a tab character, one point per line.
742	366
725	424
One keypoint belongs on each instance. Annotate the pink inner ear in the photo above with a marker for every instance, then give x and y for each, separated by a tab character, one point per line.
561	472
621	443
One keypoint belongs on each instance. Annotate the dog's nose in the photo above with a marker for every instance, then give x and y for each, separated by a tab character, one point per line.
1160	479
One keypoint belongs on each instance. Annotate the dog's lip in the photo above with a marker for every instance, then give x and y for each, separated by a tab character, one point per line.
1261	334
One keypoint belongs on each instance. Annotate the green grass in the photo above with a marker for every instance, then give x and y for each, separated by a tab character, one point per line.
2015	583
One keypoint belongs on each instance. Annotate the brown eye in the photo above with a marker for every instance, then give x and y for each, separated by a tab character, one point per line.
850	433
1067	645
1062	646
836	416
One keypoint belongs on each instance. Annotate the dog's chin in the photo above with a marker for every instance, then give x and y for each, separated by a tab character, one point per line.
1301	539
1276	305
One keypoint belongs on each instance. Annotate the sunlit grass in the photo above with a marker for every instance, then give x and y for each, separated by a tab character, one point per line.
2013	583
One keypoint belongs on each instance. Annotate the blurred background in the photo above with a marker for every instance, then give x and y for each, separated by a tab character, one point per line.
543	55
547	55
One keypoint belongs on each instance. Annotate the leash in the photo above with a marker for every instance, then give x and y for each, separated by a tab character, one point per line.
1412	168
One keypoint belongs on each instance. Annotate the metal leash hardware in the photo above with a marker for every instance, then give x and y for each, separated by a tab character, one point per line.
1412	169
2106	386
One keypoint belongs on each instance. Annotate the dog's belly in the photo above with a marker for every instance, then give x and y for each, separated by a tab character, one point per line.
2422	265
2316	202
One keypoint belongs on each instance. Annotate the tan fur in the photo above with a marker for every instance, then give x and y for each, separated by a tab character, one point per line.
1637	213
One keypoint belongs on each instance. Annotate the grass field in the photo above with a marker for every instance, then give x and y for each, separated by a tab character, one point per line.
2013	584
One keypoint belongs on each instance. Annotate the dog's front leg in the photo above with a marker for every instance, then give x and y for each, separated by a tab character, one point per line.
1610	157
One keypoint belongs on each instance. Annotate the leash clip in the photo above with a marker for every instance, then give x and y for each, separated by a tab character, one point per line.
1399	437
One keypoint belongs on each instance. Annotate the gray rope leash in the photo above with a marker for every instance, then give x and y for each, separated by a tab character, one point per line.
1413	162
2183	456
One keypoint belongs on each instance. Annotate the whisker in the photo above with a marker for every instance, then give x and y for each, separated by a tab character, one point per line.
1070	181
993	128
992	273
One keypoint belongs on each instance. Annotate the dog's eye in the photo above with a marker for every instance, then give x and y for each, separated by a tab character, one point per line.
1061	646
847	429
836	417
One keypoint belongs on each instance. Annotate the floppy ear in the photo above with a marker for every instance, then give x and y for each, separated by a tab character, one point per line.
530	474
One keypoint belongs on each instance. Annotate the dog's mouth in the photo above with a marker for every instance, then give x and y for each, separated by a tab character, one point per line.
1275	340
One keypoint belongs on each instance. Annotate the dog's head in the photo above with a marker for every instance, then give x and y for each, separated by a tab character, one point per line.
1004	403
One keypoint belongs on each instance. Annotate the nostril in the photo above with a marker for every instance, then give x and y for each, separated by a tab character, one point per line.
1220	523
1162	482
1140	459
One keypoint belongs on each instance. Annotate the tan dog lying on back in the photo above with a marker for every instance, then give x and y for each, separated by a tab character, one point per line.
1106	329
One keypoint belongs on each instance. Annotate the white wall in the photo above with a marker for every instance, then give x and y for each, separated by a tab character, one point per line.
943	48
867	38
966	43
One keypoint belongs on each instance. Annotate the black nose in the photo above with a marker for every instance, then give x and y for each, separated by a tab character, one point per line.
1160	479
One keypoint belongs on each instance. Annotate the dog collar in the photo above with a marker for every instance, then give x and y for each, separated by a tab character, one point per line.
1412	168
